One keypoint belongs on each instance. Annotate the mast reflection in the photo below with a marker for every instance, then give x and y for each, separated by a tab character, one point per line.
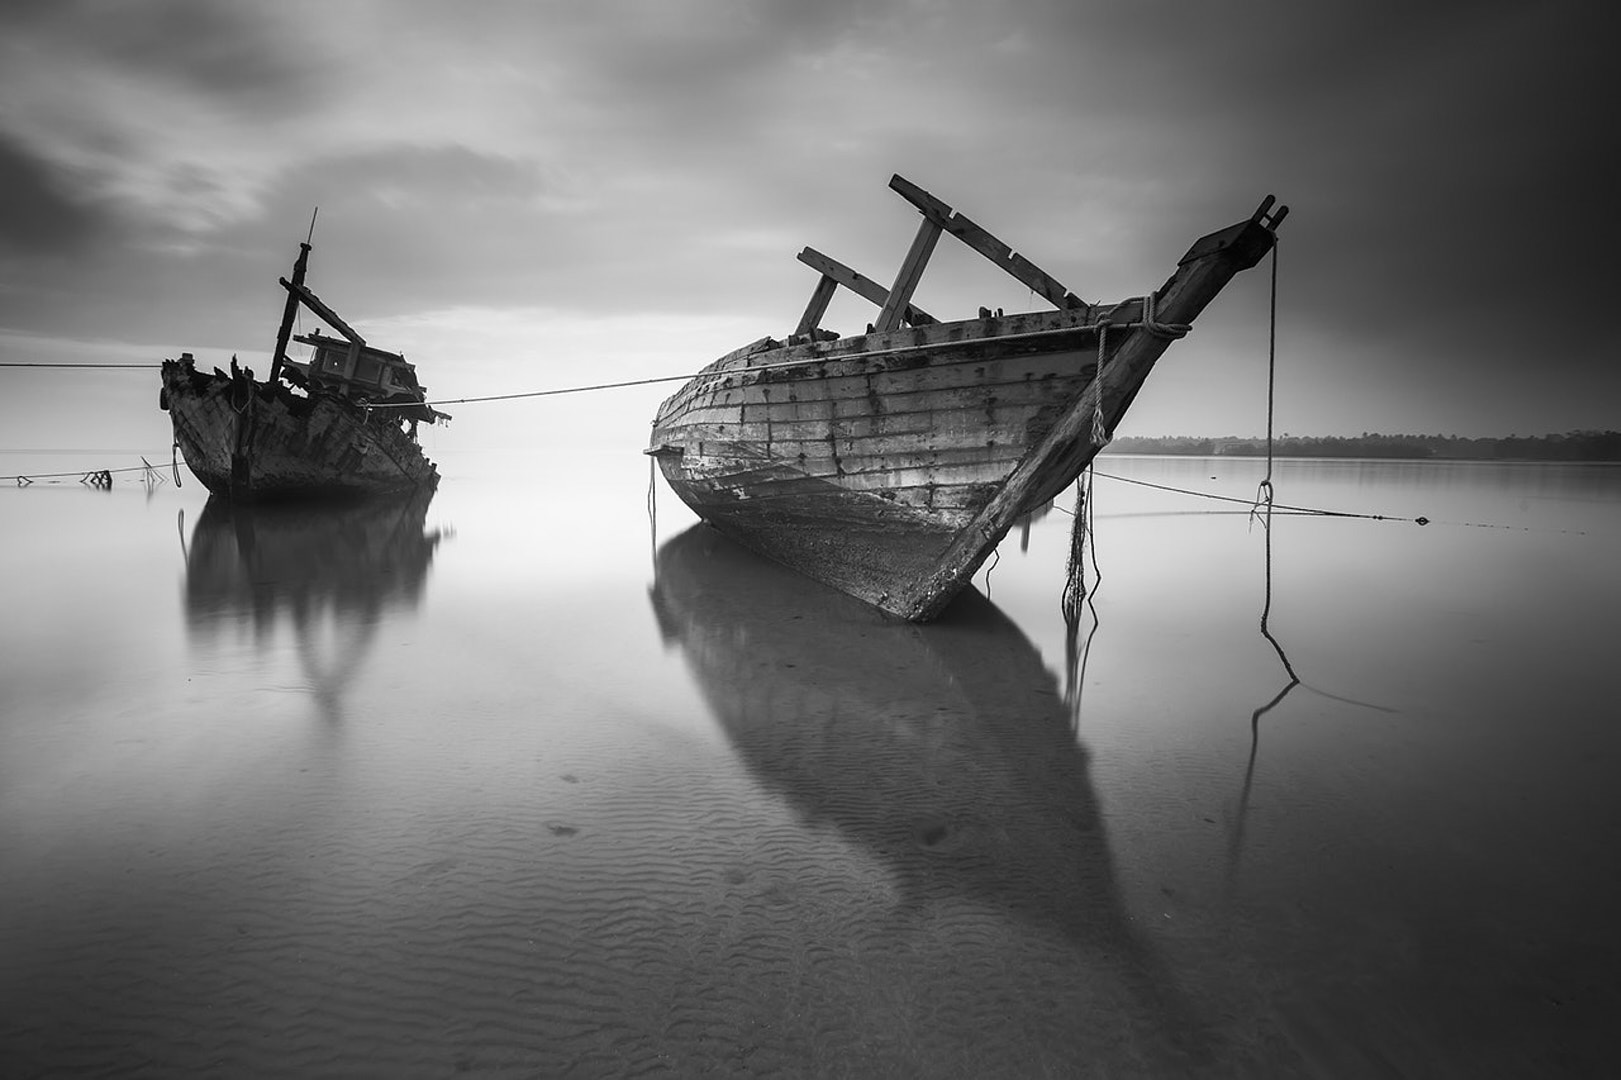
334	570
944	750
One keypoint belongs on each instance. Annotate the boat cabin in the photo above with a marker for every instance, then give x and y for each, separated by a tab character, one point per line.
360	373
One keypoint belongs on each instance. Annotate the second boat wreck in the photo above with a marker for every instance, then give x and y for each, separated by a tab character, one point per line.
341	425
890	464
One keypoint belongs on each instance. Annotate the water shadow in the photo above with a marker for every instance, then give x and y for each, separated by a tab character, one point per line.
945	751
334	570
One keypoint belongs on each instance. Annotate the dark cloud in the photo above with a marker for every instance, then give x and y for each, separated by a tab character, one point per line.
1454	190
416	227
232	53
1444	162
41	216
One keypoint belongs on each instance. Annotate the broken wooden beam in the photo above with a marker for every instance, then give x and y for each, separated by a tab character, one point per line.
1026	272
314	303
821	296
908	276
859	284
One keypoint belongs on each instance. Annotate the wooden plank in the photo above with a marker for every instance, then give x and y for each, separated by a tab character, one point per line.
859	284
314	303
903	346
908	276
902	408
851	390
931	206
1026	272
821	296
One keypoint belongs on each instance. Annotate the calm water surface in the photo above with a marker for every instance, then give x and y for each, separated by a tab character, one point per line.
519	783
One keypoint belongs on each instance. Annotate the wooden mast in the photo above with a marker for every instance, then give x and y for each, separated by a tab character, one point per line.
288	312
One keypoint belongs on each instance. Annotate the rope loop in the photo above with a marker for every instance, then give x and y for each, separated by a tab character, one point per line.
1169	331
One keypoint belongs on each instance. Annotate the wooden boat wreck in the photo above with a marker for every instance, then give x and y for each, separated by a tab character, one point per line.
313	429
890	464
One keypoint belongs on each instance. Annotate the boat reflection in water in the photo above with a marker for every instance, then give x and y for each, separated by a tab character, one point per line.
944	750
335	570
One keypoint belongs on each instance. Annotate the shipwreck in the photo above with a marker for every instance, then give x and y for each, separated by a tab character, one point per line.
341	424
890	464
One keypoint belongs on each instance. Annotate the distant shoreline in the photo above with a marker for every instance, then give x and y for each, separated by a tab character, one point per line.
1597	446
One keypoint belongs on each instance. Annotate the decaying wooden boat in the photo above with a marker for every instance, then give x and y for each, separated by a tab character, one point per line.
341	424
890	464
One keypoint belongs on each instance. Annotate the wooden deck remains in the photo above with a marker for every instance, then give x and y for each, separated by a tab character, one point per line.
890	464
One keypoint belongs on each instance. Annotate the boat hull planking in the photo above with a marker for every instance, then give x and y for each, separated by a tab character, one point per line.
891	464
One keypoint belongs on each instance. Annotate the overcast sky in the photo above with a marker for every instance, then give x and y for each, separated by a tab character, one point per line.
523	195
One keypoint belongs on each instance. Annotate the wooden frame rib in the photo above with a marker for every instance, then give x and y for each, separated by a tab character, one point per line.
821	296
907	277
859	284
1022	269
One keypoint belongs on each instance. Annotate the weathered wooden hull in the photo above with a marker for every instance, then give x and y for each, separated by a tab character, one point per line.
890	465
251	442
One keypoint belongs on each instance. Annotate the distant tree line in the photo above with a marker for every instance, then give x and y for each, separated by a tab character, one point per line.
1571	446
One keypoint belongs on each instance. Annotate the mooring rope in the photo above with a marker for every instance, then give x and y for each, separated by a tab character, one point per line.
1250	510
23	479
1263	493
1159	329
1266	615
1280	507
1074	594
1077	598
653	513
1075	566
1100	433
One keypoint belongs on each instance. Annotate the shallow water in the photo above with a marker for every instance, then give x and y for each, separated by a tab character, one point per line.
521	783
